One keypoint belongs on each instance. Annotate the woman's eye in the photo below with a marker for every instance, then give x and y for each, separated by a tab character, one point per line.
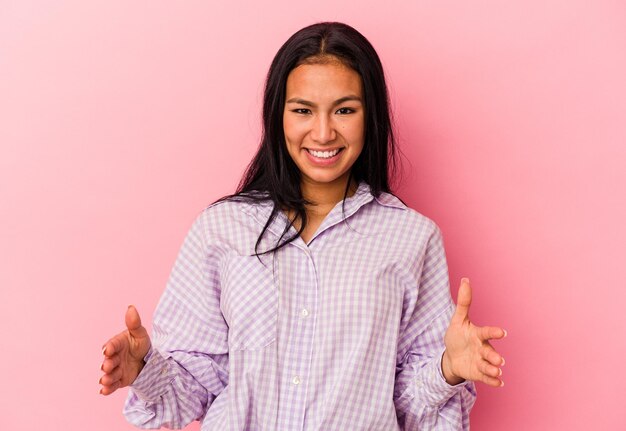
344	111
301	111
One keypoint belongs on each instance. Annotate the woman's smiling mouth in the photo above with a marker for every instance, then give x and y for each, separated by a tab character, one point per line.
324	154
324	158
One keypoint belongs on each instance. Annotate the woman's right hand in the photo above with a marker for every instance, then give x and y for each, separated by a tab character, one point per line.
123	354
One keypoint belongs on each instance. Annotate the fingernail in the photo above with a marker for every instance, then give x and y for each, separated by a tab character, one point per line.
505	333
100	381
502	361
102	366
100	391
465	279
500	370
104	349
501	383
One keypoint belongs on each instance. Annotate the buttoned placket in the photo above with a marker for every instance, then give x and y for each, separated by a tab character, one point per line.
299	292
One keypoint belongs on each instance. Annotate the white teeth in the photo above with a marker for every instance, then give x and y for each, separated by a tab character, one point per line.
324	154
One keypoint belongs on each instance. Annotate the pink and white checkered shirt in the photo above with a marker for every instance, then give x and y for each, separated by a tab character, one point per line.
342	333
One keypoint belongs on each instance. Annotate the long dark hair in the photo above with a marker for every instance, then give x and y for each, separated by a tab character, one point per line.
272	174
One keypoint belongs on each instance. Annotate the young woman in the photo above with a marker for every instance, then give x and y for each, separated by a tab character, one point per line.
313	298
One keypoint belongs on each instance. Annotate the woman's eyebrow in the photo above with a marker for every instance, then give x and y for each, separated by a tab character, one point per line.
335	103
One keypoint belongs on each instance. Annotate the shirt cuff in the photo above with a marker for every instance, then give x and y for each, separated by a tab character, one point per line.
432	387
153	380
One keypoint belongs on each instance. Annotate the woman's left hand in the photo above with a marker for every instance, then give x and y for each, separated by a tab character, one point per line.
468	354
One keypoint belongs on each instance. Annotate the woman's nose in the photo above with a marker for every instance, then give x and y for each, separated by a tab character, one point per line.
323	130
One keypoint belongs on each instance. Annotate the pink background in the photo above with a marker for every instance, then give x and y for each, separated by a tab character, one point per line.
120	121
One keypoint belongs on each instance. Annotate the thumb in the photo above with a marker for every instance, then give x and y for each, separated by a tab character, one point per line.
133	323
464	299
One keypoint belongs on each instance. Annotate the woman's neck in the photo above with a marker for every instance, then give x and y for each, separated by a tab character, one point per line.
325	196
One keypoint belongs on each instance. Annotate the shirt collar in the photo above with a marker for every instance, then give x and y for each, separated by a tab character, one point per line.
363	195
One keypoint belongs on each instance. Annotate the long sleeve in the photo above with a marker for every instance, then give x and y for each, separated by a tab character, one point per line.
187	366
423	399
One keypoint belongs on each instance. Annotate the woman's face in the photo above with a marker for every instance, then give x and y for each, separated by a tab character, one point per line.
324	121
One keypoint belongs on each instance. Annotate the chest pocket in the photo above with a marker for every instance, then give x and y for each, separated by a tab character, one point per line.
249	303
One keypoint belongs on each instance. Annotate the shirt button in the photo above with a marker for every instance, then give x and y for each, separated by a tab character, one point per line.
296	380
164	370
304	312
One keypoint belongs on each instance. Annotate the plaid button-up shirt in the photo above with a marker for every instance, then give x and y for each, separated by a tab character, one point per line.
343	333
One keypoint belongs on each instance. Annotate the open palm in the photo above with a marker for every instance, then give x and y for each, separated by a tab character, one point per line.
469	354
123	354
